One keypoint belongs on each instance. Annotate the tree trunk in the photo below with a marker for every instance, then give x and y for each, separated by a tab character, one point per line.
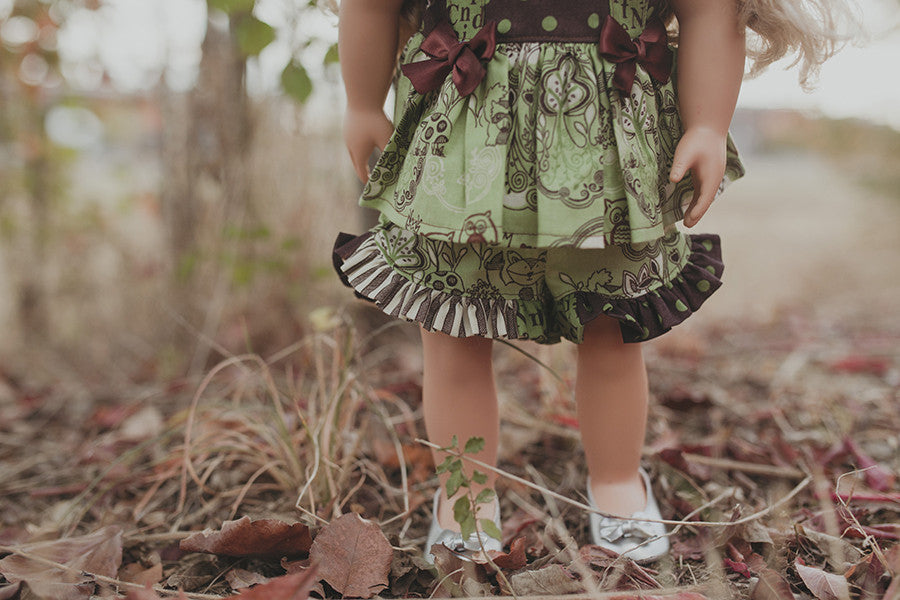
205	148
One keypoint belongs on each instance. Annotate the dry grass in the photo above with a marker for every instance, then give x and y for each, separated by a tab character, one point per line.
330	425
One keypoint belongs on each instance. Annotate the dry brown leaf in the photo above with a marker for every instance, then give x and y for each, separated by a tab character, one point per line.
295	566
771	586
240	579
11	536
265	538
678	596
824	586
447	562
353	556
692	548
893	559
520	524
286	587
8	592
148	594
551	580
194	572
99	553
516	557
136	573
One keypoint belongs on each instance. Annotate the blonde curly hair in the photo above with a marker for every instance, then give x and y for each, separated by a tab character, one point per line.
811	30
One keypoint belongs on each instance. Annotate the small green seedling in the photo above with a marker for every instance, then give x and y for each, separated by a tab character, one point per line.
464	509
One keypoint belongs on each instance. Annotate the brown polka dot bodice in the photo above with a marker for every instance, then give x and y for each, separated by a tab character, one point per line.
541	20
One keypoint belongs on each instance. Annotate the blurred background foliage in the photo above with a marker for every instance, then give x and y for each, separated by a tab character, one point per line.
155	218
142	230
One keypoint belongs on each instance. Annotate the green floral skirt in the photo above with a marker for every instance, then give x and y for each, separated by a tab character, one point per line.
523	198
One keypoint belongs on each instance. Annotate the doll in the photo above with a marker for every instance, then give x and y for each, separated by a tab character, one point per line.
539	159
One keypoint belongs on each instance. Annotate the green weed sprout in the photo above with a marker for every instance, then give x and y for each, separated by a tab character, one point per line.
464	509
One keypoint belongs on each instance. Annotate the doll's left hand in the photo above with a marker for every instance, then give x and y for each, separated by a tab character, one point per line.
702	150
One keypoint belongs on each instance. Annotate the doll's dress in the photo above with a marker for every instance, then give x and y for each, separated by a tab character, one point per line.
526	198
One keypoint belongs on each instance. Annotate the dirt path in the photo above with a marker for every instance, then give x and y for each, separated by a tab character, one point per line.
805	237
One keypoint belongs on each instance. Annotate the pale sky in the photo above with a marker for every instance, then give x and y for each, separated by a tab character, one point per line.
135	40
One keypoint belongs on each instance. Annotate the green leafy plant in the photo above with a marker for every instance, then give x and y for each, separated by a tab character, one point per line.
253	35
465	507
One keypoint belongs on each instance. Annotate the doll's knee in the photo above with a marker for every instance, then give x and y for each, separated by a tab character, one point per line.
472	346
602	331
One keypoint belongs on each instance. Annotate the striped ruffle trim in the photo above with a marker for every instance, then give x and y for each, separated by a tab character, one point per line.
362	266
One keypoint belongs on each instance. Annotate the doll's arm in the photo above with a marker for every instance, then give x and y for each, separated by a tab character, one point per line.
711	52
367	46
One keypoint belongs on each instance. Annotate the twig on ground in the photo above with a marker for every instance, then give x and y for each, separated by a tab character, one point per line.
746	467
100	578
757	515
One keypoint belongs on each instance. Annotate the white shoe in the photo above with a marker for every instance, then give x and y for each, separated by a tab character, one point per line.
640	541
454	540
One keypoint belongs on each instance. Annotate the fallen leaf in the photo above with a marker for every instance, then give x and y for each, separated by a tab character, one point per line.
418	458
515	559
12	536
740	568
676	457
741	551
691	548
867	574
824	586
451	570
7	592
856	364
136	573
473	588
264	538
194	572
618	573
877	477
353	555
147	593
99	553
240	579
295	566
520	524
678	596
771	586
552	580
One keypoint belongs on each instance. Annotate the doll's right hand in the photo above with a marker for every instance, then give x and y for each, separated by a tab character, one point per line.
702	151
363	131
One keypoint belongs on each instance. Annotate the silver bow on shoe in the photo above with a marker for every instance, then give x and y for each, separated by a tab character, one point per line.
612	529
454	539
640	541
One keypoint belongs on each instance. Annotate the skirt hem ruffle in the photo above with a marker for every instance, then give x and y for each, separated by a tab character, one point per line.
362	267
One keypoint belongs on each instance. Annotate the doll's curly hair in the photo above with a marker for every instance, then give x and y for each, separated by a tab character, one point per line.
810	30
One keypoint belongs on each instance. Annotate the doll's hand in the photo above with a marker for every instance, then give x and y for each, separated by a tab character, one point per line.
363	131
702	150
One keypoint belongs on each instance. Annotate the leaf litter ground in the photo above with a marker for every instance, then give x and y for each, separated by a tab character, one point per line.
300	475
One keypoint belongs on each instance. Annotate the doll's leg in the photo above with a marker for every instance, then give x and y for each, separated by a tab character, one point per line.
611	398
459	398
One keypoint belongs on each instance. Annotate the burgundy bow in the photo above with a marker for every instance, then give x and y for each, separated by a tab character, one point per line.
446	53
650	49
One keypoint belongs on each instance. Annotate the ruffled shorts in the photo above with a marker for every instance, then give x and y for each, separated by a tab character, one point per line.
539	294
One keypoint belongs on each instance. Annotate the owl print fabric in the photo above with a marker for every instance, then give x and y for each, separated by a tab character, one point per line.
557	154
